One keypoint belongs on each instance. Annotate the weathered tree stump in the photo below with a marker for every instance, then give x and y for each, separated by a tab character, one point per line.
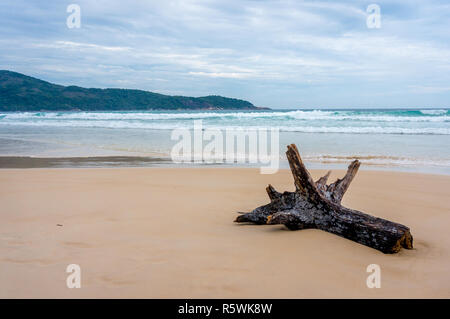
318	205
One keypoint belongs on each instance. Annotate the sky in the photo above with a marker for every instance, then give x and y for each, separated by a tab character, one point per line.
278	54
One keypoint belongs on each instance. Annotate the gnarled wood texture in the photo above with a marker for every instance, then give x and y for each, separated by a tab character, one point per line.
318	205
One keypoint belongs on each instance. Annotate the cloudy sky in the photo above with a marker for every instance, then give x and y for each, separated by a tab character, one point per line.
280	54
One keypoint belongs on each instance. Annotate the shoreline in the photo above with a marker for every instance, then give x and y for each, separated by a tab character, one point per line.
168	233
127	161
26	162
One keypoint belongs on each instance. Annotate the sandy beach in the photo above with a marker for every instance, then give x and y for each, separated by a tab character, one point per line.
169	233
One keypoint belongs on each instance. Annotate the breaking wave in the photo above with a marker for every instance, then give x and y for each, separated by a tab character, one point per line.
427	121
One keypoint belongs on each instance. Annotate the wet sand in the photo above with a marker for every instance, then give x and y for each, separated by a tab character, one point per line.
83	162
169	233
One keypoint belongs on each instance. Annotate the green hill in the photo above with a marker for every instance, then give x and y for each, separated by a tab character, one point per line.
19	92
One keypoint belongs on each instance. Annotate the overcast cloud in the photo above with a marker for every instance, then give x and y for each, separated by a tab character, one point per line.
280	54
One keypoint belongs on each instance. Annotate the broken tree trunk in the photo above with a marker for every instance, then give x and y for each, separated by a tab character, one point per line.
318	205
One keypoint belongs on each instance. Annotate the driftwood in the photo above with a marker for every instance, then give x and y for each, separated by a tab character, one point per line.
318	205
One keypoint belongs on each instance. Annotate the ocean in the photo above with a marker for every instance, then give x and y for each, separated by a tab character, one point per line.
399	139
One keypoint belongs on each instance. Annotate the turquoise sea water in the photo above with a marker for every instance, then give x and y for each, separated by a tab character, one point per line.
399	139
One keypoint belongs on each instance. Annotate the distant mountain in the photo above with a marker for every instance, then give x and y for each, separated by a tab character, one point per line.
19	92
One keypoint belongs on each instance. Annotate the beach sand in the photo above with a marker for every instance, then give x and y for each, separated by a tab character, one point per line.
169	233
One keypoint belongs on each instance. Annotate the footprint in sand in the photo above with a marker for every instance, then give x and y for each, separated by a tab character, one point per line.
77	244
116	282
18	242
42	262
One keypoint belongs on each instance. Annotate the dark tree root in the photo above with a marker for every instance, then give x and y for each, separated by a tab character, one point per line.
318	205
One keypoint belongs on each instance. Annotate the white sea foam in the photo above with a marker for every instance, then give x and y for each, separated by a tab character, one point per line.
315	115
433	112
433	122
379	160
123	124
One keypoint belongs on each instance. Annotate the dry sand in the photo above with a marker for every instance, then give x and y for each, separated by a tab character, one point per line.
165	232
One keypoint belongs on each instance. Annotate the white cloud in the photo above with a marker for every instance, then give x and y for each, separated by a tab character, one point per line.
248	49
79	46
